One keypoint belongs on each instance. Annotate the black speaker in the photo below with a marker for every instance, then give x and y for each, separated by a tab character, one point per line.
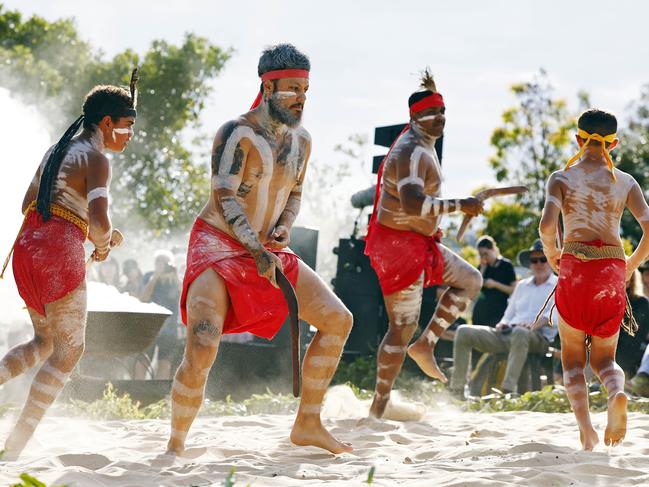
358	288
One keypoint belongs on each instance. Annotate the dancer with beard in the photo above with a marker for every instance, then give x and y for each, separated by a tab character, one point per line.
239	240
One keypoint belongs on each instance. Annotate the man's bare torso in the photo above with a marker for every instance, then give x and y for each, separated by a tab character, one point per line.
592	203
273	168
409	161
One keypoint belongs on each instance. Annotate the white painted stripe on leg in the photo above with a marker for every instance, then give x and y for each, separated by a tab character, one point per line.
183	390
323	361
39	404
327	341
311	408
178	434
394	349
62	377
46	388
180	411
431	338
33	422
318	384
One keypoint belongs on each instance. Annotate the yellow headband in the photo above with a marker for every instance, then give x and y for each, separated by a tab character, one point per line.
588	137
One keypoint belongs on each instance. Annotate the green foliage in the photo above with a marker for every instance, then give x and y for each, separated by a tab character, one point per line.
50	65
550	399
470	254
513	225
114	406
533	140
29	481
229	479
370	475
361	373
632	157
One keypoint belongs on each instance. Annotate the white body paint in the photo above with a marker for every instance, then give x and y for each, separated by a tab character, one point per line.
99	192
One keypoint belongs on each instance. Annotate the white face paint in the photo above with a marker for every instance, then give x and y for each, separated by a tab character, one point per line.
427	117
122	131
285	94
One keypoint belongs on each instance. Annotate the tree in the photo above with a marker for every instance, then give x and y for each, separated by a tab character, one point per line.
513	226
633	156
48	64
533	140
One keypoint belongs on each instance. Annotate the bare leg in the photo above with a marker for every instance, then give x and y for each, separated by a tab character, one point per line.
573	359
25	356
403	312
207	305
66	320
611	375
322	309
464	285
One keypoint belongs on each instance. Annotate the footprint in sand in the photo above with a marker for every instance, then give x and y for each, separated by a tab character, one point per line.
487	434
91	461
400	439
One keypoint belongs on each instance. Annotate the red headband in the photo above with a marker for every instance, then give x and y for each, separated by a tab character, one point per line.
278	74
432	100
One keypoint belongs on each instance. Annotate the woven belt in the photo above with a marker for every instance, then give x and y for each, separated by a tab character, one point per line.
589	252
64	213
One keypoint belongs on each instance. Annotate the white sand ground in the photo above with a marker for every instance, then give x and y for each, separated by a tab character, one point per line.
444	449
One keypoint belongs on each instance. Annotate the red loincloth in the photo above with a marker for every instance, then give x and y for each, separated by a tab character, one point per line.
257	307
48	260
591	294
399	257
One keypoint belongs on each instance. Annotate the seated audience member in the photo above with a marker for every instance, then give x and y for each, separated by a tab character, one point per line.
513	335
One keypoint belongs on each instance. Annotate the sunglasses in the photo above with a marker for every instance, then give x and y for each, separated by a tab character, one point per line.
538	260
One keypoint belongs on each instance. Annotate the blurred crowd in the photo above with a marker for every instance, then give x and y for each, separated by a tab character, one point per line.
161	285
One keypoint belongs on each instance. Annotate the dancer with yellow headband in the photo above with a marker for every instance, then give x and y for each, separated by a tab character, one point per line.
591	194
66	203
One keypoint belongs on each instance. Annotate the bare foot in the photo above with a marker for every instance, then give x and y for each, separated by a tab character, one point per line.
616	427
589	438
424	356
310	432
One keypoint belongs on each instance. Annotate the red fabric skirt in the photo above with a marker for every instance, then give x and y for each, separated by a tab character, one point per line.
257	306
591	294
399	257
48	260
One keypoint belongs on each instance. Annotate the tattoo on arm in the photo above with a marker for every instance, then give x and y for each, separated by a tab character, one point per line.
291	210
236	219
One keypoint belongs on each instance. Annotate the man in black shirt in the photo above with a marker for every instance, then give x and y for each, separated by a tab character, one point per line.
499	279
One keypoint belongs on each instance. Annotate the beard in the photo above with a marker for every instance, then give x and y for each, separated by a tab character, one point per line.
283	115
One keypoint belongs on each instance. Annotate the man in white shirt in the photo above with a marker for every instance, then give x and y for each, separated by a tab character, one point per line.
513	334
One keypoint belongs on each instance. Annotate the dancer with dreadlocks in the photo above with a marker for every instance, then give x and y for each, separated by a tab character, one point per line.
591	291
66	203
240	240
403	244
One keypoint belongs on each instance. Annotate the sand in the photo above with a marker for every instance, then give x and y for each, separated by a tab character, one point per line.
446	448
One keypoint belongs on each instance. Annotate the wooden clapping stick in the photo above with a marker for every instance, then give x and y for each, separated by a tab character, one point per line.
485	194
116	239
291	300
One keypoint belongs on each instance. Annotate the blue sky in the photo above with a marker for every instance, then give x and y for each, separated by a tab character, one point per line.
366	54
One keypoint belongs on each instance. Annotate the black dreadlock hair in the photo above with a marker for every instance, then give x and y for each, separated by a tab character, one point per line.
101	101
